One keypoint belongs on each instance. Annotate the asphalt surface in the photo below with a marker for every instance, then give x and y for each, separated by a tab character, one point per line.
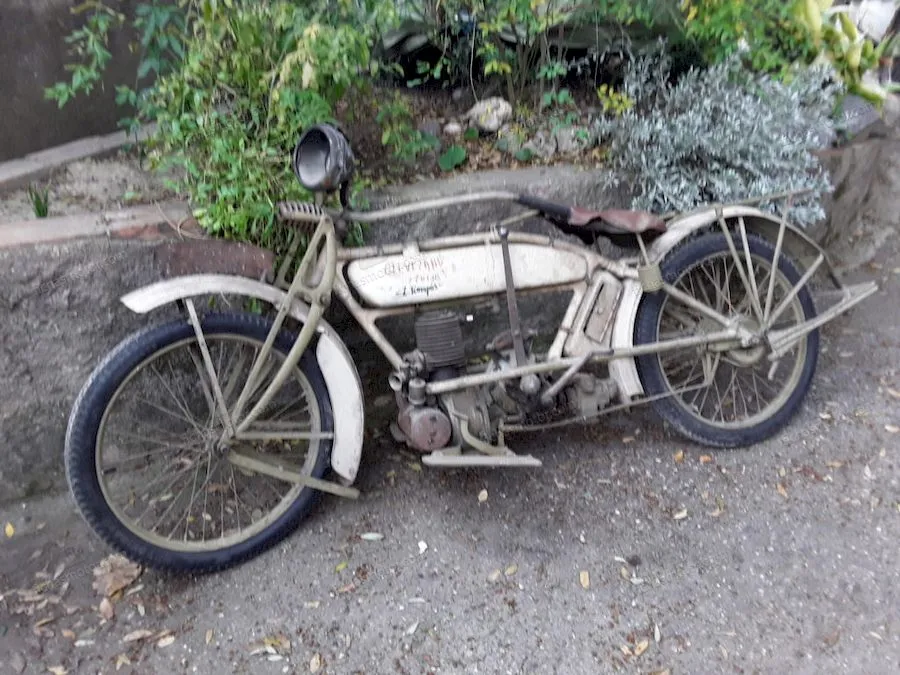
782	558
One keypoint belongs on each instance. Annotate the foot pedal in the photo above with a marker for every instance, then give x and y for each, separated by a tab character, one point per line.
453	461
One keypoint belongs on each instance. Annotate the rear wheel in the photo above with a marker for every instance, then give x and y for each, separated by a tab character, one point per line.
726	397
144	456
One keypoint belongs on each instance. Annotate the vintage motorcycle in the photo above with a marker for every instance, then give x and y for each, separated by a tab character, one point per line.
199	443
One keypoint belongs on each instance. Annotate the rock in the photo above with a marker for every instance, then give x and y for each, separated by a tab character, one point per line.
453	129
856	115
567	140
891	111
490	114
543	145
508	140
430	127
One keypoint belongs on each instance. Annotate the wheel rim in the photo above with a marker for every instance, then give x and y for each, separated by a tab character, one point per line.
740	393
202	494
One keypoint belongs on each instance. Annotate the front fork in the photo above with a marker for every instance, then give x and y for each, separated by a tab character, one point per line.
313	283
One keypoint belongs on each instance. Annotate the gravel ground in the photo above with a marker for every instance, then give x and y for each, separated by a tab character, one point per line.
785	559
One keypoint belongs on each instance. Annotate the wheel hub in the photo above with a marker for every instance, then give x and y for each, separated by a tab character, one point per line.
734	350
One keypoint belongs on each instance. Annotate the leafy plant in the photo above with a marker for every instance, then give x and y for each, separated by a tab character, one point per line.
398	133
852	54
612	101
40	201
765	32
720	135
452	158
88	47
235	83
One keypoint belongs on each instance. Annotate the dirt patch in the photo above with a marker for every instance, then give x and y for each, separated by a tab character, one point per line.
89	186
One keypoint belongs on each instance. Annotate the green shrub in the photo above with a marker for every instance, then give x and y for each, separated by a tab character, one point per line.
236	82
767	29
720	135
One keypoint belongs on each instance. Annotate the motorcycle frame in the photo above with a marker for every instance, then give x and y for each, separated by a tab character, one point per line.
320	273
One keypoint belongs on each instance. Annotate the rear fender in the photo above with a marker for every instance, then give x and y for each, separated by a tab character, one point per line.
797	244
338	369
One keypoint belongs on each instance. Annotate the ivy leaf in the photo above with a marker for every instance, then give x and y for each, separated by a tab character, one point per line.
524	155
471	134
452	158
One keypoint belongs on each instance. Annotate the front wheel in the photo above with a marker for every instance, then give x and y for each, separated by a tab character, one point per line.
145	458
726	397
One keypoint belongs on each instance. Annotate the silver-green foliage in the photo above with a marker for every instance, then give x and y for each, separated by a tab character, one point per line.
720	135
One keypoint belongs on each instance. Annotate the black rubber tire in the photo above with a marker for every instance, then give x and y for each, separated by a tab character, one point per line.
686	255
95	396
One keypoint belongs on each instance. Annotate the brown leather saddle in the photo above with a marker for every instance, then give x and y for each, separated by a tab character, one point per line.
618	225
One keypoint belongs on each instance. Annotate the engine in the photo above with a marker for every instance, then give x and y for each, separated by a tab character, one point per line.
440	355
428	423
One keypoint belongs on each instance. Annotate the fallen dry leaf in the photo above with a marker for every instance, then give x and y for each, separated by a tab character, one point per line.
140	634
68	634
341	566
494	576
315	663
892	428
371	536
834	464
209	636
825	416
422	547
678	457
166	641
585	578
115	573
781	489
706	459
511	570
628	439
625	573
57	670
107	610
641	647
680	515
279	642
657	636
122	660
9	530
664	671
483	496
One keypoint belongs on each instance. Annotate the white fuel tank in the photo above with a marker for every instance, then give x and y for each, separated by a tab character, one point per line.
466	271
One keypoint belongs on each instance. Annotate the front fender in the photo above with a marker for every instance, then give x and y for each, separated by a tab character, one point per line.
796	243
338	369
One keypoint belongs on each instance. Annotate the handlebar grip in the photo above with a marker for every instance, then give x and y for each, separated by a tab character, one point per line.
546	207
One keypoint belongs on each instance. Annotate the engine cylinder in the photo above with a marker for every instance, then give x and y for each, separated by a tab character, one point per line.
440	339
